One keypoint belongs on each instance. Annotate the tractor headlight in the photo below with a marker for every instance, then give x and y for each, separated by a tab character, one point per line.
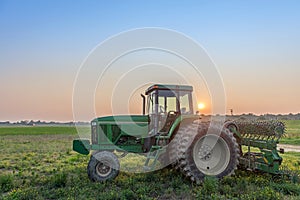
94	134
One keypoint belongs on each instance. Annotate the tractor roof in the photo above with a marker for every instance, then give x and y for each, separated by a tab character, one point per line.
169	87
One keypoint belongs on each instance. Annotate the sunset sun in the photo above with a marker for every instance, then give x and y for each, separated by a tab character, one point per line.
201	106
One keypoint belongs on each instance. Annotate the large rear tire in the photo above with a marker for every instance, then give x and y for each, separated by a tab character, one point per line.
208	154
173	149
103	165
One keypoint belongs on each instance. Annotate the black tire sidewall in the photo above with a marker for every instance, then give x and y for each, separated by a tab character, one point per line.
107	158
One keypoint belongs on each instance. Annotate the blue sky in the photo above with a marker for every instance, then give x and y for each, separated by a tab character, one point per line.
254	43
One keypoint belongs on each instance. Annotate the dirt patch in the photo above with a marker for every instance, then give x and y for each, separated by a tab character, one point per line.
288	147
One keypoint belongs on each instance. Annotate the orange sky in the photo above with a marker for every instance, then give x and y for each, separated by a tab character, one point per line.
43	45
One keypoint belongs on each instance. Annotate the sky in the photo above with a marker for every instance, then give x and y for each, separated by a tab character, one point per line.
255	44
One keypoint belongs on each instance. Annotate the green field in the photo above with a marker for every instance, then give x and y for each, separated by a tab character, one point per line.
292	135
37	130
38	163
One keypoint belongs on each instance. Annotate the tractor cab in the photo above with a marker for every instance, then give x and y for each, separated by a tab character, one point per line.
165	103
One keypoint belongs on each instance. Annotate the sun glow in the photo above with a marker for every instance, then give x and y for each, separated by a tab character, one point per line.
201	106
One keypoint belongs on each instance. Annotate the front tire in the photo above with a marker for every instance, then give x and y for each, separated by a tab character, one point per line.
103	165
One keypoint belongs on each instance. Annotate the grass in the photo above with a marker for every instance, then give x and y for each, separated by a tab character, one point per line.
37	130
38	163
292	132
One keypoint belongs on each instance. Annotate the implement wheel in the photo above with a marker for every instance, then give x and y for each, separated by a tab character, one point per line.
103	165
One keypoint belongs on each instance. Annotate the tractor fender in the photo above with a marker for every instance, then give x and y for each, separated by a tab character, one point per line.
189	119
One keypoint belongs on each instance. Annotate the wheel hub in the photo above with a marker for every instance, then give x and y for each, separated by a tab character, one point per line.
102	169
211	154
205	153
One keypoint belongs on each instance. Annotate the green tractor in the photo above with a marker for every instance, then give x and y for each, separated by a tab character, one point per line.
170	132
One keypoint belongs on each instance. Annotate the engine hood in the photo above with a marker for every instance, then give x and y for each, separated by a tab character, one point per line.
122	119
